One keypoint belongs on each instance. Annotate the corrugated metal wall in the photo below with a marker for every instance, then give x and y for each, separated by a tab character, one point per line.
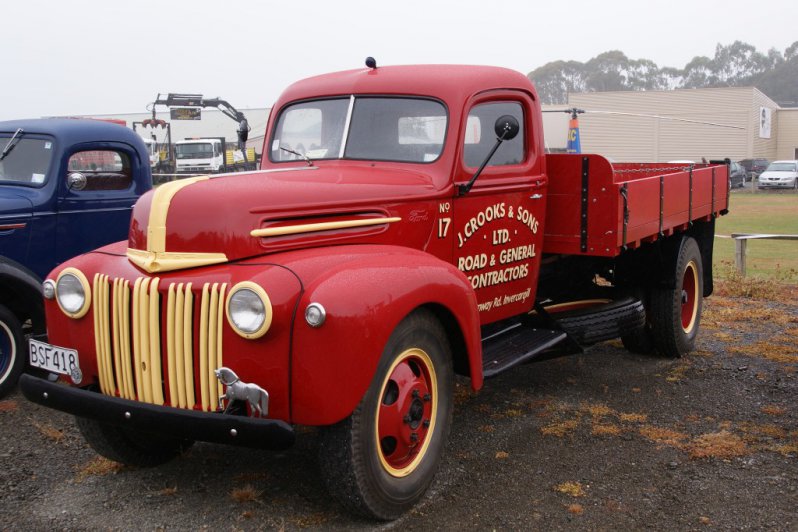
787	134
638	137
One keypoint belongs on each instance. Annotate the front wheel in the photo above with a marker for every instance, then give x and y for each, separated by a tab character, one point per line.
12	351
128	446
677	311
381	459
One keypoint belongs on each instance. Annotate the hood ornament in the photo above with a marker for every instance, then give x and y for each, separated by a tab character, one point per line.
237	390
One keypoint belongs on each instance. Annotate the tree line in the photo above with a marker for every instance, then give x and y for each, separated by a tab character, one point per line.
735	65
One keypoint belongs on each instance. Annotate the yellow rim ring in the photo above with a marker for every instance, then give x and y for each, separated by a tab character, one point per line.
86	293
692	267
267	305
420	354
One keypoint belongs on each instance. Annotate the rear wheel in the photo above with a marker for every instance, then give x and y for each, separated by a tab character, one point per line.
380	460
677	311
130	447
12	351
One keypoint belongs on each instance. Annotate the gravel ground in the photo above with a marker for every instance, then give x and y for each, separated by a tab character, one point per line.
604	440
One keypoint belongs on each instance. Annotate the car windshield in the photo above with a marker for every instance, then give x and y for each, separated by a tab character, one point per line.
781	167
27	162
379	128
201	150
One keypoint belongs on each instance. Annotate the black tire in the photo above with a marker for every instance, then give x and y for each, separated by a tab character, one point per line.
676	312
597	323
139	449
640	341
12	351
373	468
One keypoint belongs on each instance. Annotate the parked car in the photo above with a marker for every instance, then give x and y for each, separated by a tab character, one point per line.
780	174
754	167
736	175
67	186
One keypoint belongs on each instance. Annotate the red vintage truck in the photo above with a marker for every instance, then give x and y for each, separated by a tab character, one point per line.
405	225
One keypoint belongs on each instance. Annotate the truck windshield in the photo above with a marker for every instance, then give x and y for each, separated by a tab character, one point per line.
202	150
27	163
380	128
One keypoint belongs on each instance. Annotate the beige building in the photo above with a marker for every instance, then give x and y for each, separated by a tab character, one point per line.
689	124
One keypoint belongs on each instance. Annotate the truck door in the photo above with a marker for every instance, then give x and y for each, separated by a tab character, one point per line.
97	191
498	232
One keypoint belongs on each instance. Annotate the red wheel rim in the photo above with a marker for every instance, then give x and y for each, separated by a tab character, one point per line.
690	297
406	412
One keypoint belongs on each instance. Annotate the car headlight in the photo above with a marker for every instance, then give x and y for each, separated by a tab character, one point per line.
72	293
249	310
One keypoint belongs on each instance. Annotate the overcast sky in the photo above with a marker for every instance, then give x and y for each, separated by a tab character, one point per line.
73	57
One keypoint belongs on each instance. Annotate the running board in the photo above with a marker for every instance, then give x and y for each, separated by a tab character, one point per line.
514	345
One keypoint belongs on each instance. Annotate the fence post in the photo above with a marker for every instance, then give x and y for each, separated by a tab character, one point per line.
740	245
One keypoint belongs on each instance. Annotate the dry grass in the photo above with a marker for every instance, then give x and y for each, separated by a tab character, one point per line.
769	349
663	436
244	494
98	467
721	444
574	489
575	509
773	410
502	455
316	520
678	373
49	432
633	418
168	492
606	430
597	410
9	406
487	428
560	428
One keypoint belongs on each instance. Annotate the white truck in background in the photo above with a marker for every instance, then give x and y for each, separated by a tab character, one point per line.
202	155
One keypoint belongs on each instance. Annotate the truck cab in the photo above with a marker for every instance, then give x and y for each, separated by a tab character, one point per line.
67	186
199	156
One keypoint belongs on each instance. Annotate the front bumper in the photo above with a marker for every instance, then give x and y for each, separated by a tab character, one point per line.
186	424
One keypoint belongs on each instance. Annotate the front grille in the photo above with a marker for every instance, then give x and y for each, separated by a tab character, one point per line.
130	342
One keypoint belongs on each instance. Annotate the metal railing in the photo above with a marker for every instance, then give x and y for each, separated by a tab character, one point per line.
741	245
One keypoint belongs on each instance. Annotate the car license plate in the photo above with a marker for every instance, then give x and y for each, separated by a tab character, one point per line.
54	359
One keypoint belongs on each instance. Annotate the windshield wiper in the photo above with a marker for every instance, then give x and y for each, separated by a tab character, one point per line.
11	143
309	161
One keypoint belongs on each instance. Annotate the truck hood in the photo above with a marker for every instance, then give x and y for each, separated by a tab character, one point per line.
211	220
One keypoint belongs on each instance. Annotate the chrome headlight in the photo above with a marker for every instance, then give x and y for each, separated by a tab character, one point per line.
249	310
72	293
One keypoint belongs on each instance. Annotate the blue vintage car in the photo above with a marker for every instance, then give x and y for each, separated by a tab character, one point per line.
67	186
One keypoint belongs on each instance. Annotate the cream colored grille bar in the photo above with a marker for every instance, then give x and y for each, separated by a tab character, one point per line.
128	340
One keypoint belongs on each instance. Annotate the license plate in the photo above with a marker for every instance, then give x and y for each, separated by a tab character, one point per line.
54	359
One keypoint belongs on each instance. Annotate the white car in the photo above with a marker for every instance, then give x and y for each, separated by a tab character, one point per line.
780	174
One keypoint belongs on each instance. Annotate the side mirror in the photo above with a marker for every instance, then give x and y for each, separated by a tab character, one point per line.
506	127
76	181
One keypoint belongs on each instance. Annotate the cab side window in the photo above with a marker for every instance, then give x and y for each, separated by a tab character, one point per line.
101	170
480	136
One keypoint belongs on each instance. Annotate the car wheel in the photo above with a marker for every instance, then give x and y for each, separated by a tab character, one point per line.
676	312
381	459
12	351
130	447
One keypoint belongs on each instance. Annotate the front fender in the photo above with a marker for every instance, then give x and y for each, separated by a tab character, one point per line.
366	291
22	292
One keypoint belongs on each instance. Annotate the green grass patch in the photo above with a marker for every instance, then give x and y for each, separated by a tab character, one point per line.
760	212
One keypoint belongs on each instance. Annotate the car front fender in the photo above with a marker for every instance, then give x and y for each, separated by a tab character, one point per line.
366	291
